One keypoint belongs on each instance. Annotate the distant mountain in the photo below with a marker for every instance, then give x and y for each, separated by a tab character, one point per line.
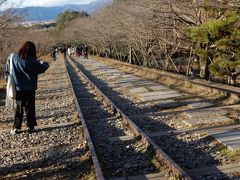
38	13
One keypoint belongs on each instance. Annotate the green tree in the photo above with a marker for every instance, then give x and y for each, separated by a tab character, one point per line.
218	44
65	18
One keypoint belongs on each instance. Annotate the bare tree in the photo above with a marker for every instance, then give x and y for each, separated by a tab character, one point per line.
13	34
151	33
8	21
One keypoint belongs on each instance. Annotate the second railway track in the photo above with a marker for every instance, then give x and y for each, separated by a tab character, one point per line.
128	158
192	149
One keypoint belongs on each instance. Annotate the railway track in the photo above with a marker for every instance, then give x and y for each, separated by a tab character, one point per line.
181	125
57	149
127	130
132	157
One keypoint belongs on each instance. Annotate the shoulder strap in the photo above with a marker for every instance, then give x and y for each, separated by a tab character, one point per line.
11	63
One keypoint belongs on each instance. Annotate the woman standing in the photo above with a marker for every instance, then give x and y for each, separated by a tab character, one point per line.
25	70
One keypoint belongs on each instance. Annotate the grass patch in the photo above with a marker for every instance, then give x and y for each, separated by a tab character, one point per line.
159	166
232	155
142	149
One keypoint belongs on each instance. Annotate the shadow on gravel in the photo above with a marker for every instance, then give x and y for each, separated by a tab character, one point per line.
188	155
52	90
55	162
8	121
126	158
128	107
56	126
56	115
73	170
60	107
117	158
93	112
51	96
2	96
52	79
225	97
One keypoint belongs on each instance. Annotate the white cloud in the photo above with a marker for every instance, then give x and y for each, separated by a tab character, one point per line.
47	3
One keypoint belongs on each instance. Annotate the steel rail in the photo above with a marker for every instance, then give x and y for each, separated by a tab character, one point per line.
163	158
97	167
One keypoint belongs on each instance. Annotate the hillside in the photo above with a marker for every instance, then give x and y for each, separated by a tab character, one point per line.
38	13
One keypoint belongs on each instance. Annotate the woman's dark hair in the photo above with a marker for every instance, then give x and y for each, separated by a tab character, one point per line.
27	50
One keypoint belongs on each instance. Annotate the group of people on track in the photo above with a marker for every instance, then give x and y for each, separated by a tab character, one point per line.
72	51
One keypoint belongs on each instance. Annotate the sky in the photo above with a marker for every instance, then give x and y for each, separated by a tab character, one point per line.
48	3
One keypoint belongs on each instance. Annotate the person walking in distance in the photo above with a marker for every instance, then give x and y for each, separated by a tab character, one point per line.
53	53
85	52
25	70
64	52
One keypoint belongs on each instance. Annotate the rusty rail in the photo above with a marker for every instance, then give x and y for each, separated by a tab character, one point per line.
163	158
94	157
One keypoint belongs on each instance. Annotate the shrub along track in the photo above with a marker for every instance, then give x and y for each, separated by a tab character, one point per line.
190	147
132	157
57	149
